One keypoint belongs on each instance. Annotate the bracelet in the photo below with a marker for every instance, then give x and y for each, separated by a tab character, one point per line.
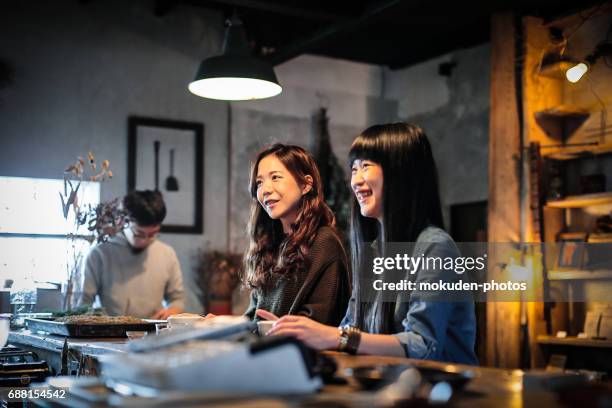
349	340
342	340
354	338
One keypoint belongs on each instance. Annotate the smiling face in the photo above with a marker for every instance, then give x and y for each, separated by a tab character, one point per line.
367	184
278	191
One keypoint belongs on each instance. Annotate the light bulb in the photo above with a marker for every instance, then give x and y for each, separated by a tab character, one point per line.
576	72
234	89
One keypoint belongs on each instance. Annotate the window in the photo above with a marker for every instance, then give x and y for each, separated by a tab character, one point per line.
33	232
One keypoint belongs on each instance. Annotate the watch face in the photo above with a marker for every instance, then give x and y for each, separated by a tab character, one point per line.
343	341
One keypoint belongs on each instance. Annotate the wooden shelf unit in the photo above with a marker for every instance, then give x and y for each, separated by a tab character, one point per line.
578	151
564	111
562	125
579	274
582	201
574	342
563	216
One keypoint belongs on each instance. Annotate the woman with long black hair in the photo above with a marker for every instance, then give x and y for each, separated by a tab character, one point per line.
394	180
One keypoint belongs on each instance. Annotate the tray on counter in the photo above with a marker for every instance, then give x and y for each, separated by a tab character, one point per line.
87	330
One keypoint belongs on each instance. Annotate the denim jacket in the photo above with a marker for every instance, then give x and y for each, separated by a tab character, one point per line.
428	329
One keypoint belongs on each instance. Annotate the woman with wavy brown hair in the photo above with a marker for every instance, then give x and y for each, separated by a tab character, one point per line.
295	264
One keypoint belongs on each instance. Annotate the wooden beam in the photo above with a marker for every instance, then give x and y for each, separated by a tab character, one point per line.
503	318
311	41
163	7
310	13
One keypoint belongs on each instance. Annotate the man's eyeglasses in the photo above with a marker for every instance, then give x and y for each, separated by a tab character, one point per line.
143	235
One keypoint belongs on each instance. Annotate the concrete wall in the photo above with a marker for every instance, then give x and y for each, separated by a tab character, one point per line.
454	111
81	70
351	92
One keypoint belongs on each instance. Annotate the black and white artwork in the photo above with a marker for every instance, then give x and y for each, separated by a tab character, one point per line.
167	156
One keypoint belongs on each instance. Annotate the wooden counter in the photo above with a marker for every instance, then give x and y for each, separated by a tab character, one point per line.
490	388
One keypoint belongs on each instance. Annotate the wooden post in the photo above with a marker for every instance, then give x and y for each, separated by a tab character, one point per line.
503	318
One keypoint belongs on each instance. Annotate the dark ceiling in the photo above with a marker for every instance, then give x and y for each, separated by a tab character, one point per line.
395	33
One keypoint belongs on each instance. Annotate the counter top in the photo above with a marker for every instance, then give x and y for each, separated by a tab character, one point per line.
490	386
54	343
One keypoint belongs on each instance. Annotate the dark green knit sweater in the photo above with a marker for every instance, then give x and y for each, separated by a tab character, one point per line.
321	291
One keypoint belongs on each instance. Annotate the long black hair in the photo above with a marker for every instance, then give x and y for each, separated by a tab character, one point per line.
411	201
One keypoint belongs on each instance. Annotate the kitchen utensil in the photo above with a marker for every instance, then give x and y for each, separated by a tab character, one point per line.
172	183
156	146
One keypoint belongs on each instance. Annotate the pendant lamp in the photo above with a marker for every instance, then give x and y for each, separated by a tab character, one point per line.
235	75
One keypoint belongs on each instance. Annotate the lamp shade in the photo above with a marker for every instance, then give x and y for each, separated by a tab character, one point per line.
235	75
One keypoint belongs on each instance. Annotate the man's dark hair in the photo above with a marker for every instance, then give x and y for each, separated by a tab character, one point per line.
145	207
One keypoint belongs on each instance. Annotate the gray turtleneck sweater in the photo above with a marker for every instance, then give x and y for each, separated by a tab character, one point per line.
132	283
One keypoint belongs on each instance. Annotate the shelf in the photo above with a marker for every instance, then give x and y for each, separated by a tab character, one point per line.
575	152
581	201
579	274
573	342
564	111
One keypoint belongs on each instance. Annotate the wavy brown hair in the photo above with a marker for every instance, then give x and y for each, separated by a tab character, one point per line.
272	253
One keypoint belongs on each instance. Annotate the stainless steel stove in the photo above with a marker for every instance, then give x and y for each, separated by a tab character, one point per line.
19	368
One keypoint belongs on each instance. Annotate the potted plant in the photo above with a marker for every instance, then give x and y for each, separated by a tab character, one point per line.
218	276
103	220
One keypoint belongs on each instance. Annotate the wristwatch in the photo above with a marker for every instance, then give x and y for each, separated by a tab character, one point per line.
349	340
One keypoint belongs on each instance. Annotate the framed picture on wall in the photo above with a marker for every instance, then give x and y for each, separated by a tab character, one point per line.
167	156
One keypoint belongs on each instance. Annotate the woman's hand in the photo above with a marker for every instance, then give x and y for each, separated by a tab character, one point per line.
164	313
187	315
314	334
265	315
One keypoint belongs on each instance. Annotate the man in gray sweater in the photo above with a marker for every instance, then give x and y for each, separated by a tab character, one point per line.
133	272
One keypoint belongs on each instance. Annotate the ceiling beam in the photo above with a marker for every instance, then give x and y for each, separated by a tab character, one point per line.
282	9
308	43
459	33
163	7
